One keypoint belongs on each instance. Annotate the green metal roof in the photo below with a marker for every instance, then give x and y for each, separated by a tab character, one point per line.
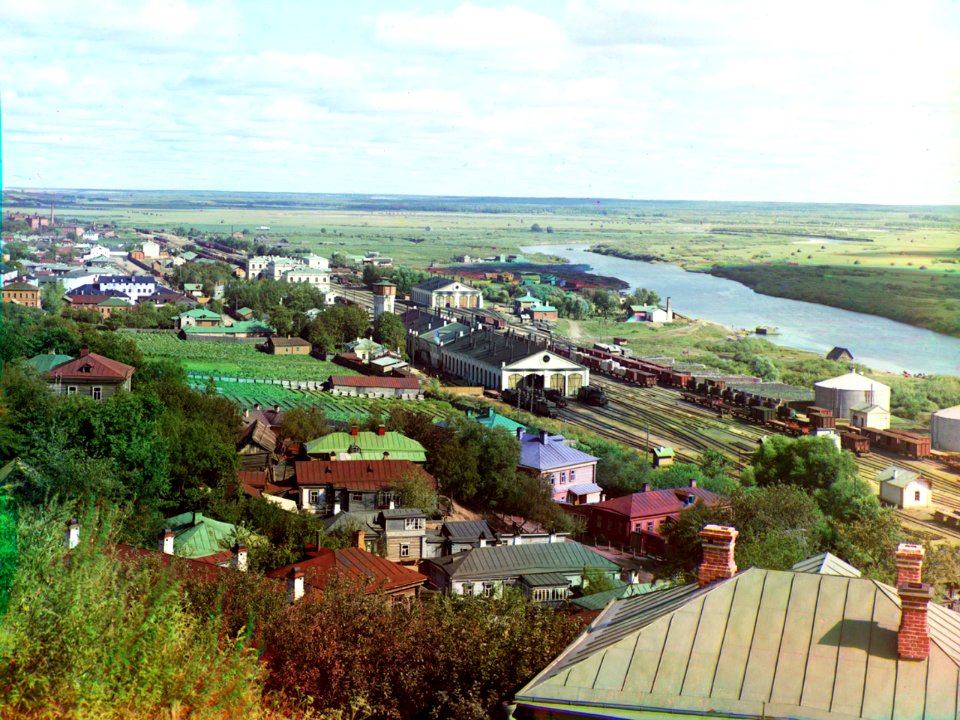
114	302
372	446
527	298
542	308
663	452
515	560
826	564
245	311
48	361
765	643
545	580
897	476
199	313
197	536
598	601
492	419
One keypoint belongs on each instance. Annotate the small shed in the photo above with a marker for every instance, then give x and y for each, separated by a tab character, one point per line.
662	456
864	415
244	313
840	353
904	488
288	346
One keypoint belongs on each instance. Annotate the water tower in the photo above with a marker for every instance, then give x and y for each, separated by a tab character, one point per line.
384	295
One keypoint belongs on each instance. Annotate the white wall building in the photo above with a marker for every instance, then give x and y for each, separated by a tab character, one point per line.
319	279
150	249
133	286
904	488
442	292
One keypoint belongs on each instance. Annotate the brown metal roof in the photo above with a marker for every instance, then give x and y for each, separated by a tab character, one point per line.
359	475
763	644
289	342
377	573
91	366
259	433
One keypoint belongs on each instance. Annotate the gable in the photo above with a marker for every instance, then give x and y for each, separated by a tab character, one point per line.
543	360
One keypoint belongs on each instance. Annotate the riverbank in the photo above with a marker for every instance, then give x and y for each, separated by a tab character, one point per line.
923	298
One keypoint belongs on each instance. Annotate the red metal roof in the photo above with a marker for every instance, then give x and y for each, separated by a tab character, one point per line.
89	366
392	383
376	572
368	475
655	503
255	483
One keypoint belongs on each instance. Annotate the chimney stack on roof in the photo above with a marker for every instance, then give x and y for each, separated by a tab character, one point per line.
84	351
381	430
73	533
294	584
354	430
913	636
166	542
519	433
240	557
645	488
359	539
719	544
544	437
693	483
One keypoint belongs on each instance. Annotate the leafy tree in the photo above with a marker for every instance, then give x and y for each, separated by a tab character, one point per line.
388	330
596	581
414	491
371	275
764	368
536	228
301	424
813	463
52	298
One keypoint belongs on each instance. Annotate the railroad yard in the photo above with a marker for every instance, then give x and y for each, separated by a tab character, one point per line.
647	417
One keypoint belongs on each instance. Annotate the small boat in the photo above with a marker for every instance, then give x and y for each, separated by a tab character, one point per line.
766	330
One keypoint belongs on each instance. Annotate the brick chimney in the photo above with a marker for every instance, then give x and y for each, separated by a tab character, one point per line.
354	430
645	488
909	563
359	539
693	483
913	637
84	351
719	545
294	584
73	533
240	557
166	542
381	430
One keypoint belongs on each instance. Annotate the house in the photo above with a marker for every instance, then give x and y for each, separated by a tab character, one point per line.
541	313
760	644
133	286
199	317
398	534
257	484
621	519
867	414
257	446
524	302
404	388
195	536
651	313
443	292
21	293
111	305
91	375
288	346
374	573
498	361
457	536
549	457
904	488
327	487
45	362
356	445
244	313
840	353
547	572
239	329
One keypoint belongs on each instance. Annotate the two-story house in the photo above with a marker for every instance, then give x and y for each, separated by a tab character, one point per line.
357	445
90	374
561	466
398	534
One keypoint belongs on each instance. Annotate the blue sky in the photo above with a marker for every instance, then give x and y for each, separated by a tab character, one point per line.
852	101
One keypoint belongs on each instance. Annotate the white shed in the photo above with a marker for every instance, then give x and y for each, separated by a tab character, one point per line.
904	488
864	415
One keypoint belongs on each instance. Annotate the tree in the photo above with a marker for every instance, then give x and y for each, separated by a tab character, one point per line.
52	298
388	330
596	581
371	275
764	368
415	491
536	228
813	463
301	424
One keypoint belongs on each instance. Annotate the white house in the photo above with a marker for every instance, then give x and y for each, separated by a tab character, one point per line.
150	249
442	292
904	488
96	252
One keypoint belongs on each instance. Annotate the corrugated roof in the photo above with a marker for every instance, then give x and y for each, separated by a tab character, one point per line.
89	367
360	475
365	381
656	502
467	530
826	564
764	643
515	560
549	453
372	446
289	342
598	601
896	476
197	536
260	434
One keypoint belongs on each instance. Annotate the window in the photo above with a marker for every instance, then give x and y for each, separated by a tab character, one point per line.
563	478
553	478
488	588
404	550
916	496
650	526
573	475
97	393
414	523
71	390
467	588
314	497
356	497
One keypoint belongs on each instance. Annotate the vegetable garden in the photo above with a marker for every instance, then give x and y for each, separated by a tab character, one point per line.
232	359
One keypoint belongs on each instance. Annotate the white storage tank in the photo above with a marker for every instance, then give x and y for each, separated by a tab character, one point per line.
839	394
945	429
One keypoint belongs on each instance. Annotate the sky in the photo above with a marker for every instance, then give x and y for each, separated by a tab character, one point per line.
849	101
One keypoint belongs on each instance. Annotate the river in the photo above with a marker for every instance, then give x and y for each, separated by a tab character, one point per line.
874	341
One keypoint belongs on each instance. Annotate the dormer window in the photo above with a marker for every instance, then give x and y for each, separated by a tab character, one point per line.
85	368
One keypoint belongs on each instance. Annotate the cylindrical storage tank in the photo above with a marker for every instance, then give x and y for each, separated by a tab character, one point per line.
945	429
839	394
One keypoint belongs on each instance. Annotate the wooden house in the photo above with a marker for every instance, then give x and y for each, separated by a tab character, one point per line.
90	374
288	346
257	446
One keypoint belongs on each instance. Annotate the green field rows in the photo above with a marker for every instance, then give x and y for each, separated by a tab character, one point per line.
230	359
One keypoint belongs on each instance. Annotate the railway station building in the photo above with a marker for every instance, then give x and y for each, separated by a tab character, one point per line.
497	361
